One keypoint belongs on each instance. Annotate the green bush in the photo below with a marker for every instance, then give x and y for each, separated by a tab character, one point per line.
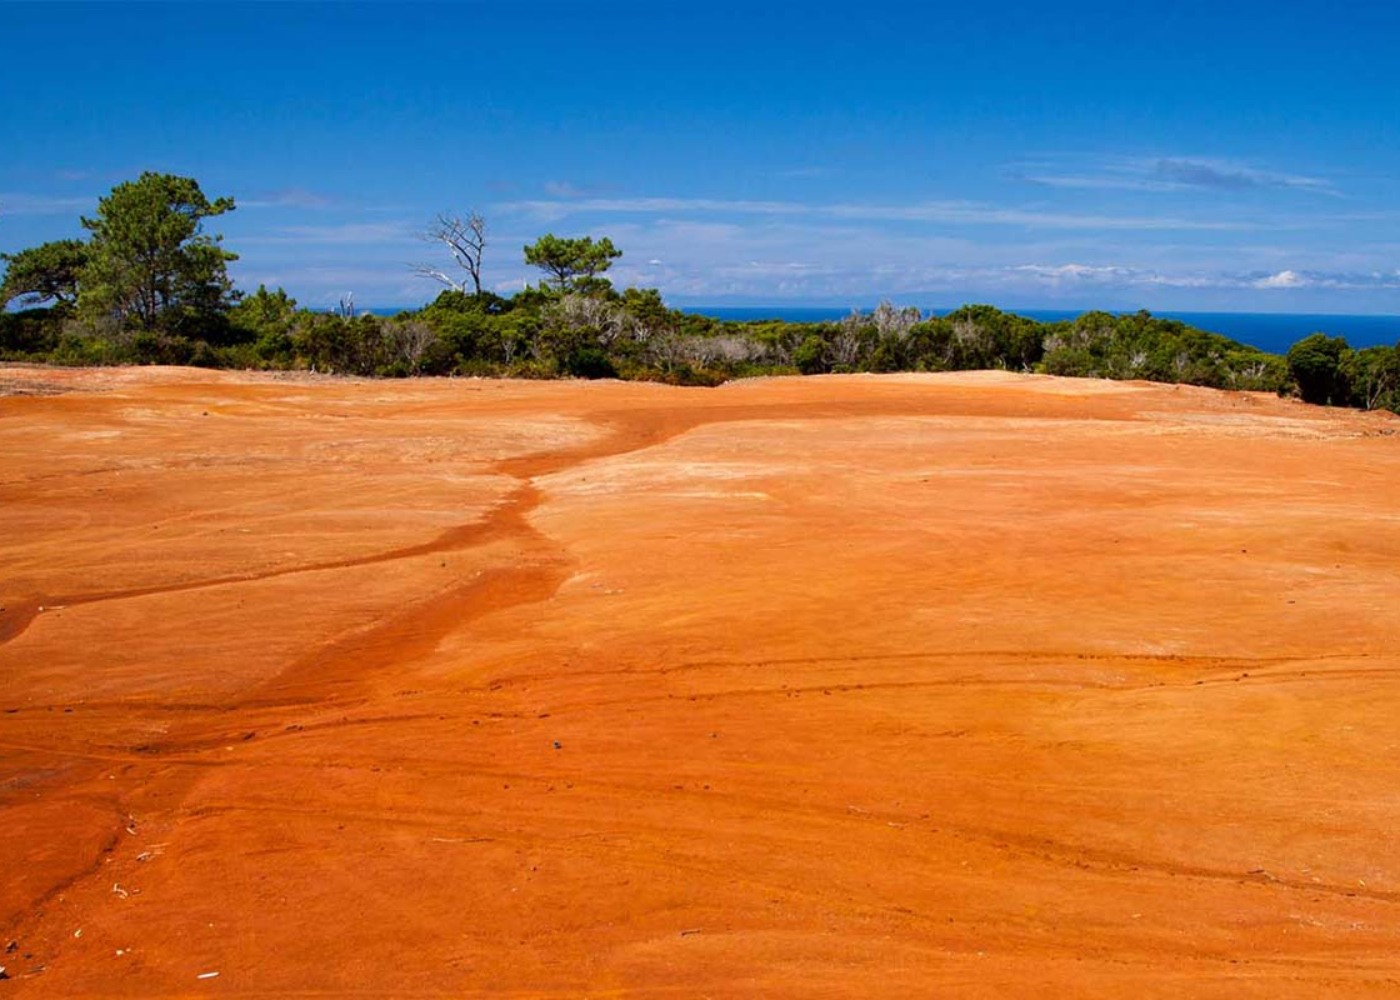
33	332
1316	364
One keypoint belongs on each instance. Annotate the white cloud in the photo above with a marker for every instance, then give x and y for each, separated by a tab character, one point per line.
19	203
568	189
947	212
1341	280
1232	176
345	233
1076	272
1171	173
1281	279
563	189
286	198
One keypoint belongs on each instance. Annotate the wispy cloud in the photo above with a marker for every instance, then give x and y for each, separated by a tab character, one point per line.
949	212
1122	276
1172	173
1060	273
1281	279
346	233
822	259
568	189
562	189
1233	177
1289	278
1127	276
19	203
286	198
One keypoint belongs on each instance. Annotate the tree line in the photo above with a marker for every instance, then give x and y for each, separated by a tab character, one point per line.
150	286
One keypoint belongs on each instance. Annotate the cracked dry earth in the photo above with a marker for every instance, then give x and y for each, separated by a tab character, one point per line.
962	686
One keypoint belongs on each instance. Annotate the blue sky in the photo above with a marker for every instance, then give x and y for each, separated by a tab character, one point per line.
1215	156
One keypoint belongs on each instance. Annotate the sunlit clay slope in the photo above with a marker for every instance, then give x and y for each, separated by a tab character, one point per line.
972	685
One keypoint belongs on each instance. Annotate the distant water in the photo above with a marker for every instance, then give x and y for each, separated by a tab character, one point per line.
1275	332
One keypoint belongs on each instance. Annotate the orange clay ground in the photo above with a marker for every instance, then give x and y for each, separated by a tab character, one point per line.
971	685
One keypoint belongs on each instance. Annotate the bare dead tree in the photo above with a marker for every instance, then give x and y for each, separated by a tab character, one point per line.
410	342
708	351
1376	386
892	321
850	340
465	240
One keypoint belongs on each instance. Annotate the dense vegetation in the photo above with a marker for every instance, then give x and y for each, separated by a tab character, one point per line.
150	287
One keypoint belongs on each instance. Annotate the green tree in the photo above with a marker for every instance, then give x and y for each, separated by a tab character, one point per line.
645	305
1317	364
150	264
268	319
43	273
810	355
572	264
265	312
1373	375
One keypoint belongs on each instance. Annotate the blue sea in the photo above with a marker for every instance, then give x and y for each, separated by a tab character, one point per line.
1274	332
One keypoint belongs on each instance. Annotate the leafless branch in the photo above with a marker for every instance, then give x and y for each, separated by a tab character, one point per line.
465	240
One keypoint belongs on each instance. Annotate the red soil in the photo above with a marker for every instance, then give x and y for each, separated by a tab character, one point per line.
956	686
